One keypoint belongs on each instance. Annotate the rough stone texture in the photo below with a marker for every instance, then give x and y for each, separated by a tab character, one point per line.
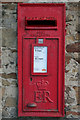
77	89
10	102
7	41
74	47
9	62
0	61
72	61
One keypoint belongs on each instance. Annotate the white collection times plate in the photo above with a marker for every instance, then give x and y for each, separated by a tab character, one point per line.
40	59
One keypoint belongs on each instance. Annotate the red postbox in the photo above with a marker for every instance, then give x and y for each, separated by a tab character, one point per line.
41	45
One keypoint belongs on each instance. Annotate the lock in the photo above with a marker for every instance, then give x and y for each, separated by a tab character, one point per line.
41	38
31	105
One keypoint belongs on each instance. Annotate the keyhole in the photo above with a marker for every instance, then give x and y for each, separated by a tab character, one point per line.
31	79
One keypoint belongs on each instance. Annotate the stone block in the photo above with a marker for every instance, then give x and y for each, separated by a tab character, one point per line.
77	89
73	113
69	17
67	31
0	63
0	52
13	112
78	28
10	6
8	76
11	102
9	82
3	91
9	38
9	21
74	47
0	98
0	114
14	83
69	39
77	36
5	83
72	74
9	59
9	15
5	113
75	56
0	37
73	6
70	98
67	60
11	91
75	108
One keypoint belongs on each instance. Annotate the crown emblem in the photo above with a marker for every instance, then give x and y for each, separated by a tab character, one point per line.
41	85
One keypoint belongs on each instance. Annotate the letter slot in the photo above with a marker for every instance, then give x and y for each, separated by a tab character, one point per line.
41	23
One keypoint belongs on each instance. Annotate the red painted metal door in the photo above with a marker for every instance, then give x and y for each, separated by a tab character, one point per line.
41	59
40	90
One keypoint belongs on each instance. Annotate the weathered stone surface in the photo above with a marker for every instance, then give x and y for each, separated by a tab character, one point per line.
5	112
77	89
0	57
77	36
76	108
69	39
10	6
9	62
9	82
0	98
0	63
69	17
9	20
10	102
75	56
14	83
0	52
70	96
74	47
9	37
14	50
9	15
0	114
73	6
72	25
3	91
0	36
11	91
5	83
67	31
9	112
13	112
67	59
78	28
11	75
73	113
72	76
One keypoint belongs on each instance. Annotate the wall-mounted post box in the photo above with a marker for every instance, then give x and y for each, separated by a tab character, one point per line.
41	34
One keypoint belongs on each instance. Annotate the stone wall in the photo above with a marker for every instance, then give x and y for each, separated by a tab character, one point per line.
8	62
